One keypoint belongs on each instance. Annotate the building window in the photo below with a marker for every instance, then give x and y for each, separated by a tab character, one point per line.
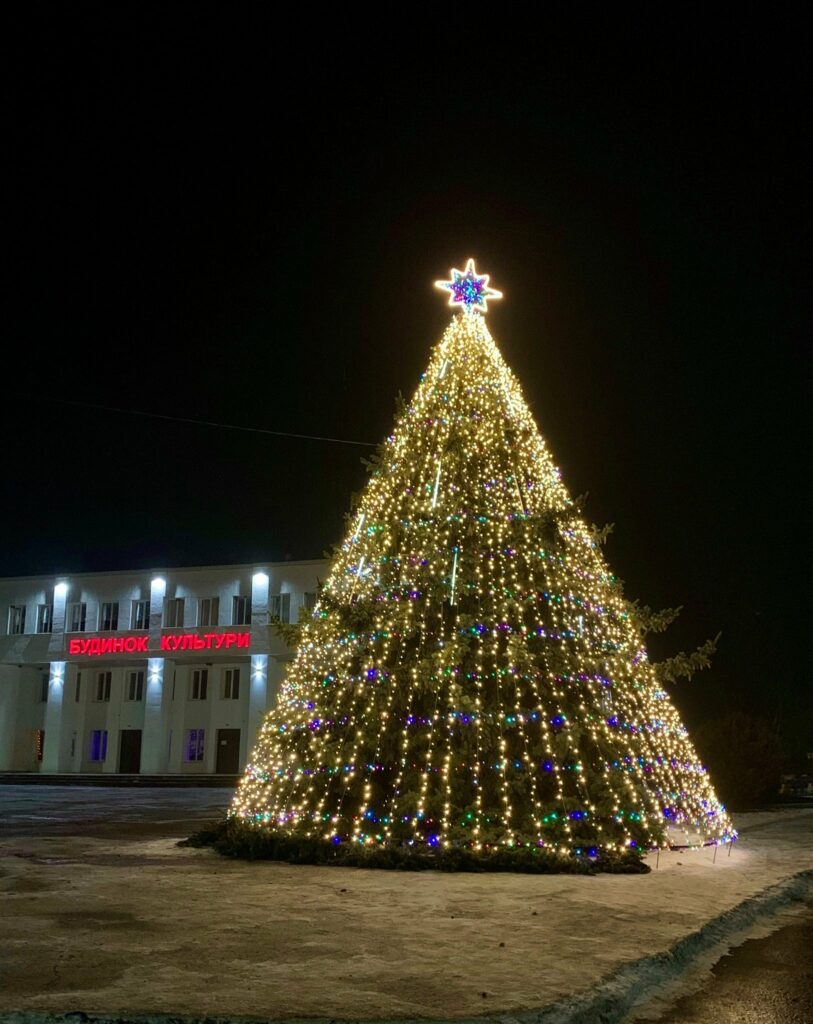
208	611
309	601
45	618
44	688
241	611
16	619
231	684
98	745
78	686
194	744
77	617
200	681
103	681
109	616
140	615
39	742
135	685
279	607
173	612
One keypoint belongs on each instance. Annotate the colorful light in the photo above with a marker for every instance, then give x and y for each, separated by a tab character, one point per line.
469	290
474	676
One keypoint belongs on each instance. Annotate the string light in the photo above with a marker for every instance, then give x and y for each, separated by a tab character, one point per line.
471	675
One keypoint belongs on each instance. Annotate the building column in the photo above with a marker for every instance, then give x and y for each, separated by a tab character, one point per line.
56	754
257	704
157	697
9	700
158	589
75	720
56	641
259	599
258	679
70	721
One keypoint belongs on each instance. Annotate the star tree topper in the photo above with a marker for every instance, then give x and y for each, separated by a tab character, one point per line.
469	289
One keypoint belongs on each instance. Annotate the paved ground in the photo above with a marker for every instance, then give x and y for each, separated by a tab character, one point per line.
97	811
764	981
103	912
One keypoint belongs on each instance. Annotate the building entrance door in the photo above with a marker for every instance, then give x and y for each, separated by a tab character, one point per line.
130	751
228	751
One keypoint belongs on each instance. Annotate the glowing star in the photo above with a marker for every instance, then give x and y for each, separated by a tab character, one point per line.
469	289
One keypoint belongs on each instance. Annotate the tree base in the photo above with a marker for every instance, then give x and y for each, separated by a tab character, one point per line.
233	838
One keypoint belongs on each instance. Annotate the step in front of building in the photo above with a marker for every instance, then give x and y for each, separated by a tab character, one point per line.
110	779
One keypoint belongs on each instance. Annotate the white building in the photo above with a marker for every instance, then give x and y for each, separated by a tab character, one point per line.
164	673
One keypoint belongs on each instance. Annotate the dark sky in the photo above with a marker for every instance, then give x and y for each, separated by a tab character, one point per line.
231	219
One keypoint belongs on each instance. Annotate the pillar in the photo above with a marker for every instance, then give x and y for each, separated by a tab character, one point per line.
259	599
157	697
9	701
56	755
257	704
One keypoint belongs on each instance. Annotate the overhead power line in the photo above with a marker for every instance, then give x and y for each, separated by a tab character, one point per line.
213	423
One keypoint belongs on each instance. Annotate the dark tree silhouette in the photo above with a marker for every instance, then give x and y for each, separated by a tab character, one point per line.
745	757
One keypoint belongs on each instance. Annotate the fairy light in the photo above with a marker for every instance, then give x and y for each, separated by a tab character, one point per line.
506	702
435	489
454	577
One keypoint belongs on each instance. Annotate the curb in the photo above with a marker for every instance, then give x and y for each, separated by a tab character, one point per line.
606	1003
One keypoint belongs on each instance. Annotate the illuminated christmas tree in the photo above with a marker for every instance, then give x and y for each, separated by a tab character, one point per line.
472	676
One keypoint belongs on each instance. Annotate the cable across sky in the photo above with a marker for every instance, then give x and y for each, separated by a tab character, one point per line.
213	423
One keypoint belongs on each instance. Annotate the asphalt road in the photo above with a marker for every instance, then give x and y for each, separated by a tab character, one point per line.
763	981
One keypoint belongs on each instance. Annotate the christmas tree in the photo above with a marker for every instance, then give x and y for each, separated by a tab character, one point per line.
472	677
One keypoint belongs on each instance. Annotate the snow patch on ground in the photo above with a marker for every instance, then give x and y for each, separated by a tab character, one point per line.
136	925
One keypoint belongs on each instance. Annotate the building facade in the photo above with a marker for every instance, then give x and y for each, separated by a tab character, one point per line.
164	673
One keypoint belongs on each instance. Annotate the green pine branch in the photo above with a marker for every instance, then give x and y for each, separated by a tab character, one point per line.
289	631
601	533
684	666
649	621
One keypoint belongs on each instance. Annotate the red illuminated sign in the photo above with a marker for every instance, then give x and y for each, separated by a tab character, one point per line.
96	647
207	642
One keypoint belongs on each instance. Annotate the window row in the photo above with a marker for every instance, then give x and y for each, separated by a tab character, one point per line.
194	745
102	682
176	614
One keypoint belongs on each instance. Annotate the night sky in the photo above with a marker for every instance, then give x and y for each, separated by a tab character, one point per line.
233	220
